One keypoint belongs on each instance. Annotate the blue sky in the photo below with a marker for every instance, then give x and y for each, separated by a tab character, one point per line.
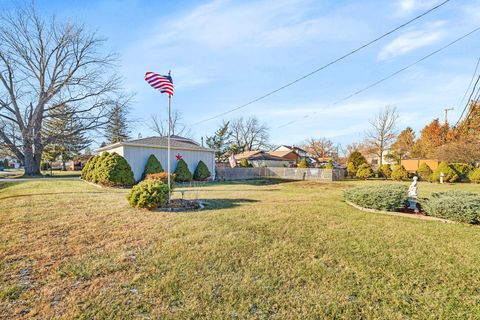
224	53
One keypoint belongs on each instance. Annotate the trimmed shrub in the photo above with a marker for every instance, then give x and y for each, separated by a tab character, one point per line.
152	166
114	170
244	163
389	197
449	174
357	159
424	172
351	170
86	167
399	173
201	171
182	173
98	167
454	205
364	171
385	170
303	163
463	170
149	194
475	176
329	165
162	176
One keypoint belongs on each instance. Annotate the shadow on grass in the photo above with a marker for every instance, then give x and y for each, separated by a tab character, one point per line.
250	182
215	204
44	194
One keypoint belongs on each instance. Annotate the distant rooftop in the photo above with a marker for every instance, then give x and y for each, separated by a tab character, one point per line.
159	141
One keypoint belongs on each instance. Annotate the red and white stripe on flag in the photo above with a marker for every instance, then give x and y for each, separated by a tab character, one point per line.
159	82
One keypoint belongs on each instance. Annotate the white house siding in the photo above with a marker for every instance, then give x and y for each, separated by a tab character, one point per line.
137	158
118	150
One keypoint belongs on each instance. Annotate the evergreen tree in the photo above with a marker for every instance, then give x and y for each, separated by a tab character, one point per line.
117	129
220	140
63	123
152	166
201	171
182	173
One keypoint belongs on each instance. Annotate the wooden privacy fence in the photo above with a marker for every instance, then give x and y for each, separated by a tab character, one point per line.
282	173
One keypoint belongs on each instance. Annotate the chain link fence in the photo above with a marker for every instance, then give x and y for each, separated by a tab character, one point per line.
225	174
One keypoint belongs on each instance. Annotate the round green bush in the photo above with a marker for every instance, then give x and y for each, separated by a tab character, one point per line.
182	173
115	171
388	197
399	173
351	170
364	171
386	171
97	167
449	174
201	171
424	171
152	166
149	194
329	165
303	163
475	176
454	205
86	168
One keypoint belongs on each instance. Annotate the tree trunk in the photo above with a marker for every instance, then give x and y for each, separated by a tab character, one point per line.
32	160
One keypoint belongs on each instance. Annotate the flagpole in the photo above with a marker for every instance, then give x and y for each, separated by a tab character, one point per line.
168	145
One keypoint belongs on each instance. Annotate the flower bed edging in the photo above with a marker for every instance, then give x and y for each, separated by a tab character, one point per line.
400	214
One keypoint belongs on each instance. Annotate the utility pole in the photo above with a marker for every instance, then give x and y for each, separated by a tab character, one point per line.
446	113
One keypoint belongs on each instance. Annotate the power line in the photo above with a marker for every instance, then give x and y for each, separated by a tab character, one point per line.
468	100
387	77
470	84
477	96
322	67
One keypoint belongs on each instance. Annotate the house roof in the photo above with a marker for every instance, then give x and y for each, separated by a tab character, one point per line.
266	156
176	142
246	154
293	148
282	153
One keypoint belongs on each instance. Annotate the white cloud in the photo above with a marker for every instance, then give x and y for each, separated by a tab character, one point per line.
407	6
413	40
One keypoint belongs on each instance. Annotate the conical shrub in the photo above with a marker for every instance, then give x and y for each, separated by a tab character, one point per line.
182	173
201	171
152	166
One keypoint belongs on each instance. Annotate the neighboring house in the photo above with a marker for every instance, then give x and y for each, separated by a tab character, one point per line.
289	155
301	153
262	159
412	165
374	159
12	162
137	151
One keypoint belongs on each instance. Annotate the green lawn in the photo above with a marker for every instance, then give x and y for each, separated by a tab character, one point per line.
19	173
260	250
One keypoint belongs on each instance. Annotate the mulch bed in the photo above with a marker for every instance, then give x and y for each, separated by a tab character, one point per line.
178	205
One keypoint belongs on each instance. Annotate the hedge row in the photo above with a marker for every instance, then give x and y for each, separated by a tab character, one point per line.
390	197
108	169
454	205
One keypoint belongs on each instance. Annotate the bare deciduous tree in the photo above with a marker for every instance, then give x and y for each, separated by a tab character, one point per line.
382	132
160	126
249	134
45	64
320	147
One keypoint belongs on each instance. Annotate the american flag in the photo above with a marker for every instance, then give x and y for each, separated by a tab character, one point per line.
159	82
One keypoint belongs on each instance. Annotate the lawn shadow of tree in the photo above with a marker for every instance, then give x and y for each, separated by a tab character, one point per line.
215	204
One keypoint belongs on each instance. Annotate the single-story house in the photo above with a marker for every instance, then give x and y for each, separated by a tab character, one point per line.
262	159
289	155
137	151
302	153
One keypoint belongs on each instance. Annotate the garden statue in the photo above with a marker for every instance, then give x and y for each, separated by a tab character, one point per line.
412	195
441	177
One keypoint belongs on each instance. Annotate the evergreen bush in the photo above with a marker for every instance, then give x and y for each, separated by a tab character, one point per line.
385	170
152	166
201	171
329	165
98	168
463	170
182	173
449	174
303	163
389	197
454	205
424	172
162	176
351	170
86	169
364	171
244	163
399	173
475	176
115	171
149	194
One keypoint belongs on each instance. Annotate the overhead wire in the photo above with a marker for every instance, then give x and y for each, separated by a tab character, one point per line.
322	67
